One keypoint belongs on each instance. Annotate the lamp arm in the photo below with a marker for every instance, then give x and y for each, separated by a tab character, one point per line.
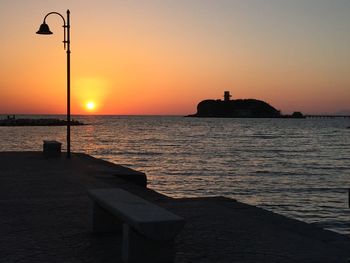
64	20
64	26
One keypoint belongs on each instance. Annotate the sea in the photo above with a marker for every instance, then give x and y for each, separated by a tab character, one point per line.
299	168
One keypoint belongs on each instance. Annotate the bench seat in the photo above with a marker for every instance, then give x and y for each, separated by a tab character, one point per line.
144	225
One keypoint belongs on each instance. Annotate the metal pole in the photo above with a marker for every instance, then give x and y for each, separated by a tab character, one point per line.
68	84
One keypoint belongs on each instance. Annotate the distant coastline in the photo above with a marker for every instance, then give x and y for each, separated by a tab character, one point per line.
239	108
11	120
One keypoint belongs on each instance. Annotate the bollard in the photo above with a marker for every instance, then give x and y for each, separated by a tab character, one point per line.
52	149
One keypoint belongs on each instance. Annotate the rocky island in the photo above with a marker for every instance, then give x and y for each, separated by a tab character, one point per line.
12	121
239	108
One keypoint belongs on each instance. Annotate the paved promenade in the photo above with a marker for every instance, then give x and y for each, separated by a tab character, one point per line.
45	216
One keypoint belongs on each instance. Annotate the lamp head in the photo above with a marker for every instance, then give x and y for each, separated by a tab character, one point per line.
44	30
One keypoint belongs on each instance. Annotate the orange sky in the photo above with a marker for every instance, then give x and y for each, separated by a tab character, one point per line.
163	57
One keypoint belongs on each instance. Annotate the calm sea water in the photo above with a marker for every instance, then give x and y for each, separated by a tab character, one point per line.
296	167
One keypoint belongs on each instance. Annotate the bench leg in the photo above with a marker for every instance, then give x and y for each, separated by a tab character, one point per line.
138	248
104	222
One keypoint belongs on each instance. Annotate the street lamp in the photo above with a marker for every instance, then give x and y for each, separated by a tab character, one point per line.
45	30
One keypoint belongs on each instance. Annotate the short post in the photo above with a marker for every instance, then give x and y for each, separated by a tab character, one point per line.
52	149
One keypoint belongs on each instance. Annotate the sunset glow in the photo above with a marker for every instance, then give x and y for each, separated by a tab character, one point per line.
90	106
164	57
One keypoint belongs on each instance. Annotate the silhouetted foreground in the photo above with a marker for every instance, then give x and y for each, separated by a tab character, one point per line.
37	122
240	108
46	216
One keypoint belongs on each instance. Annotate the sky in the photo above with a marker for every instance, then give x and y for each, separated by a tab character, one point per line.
163	57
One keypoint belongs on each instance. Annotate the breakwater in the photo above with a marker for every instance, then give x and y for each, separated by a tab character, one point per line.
12	121
326	116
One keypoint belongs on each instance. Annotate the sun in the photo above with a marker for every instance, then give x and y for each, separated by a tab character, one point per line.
90	105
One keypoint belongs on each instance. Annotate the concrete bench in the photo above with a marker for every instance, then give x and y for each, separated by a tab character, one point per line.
52	148
148	230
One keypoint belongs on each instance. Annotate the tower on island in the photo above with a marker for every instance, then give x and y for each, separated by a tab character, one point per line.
227	96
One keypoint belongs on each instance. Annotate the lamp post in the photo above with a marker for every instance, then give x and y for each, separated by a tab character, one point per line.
45	30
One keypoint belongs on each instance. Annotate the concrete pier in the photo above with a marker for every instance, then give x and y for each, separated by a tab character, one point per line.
45	216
